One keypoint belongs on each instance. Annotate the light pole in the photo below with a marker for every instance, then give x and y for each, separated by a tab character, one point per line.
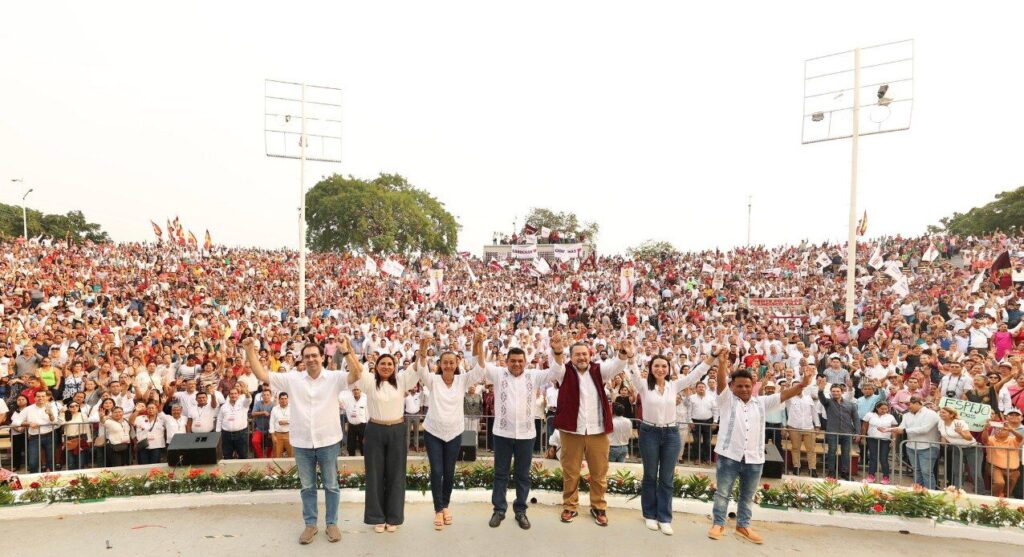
24	215
750	200
832	110
317	110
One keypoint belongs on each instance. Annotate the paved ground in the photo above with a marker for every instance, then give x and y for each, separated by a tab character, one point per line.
273	529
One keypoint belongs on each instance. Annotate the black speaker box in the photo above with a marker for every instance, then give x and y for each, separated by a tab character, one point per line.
194	449
467	449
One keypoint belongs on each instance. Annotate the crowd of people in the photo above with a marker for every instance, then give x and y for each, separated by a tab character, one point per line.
109	350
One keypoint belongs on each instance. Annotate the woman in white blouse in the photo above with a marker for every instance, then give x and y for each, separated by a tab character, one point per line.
386	444
445	421
150	425
659	435
77	436
876	425
964	449
118	437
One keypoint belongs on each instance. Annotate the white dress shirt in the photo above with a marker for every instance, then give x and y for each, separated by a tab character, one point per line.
702	407
38	418
386	404
741	426
314	406
445	412
173	426
589	418
355	410
622	430
155	431
117	433
660	407
204	418
802	412
277	415
234	417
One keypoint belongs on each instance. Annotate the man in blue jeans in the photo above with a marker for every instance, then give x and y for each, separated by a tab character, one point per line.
315	431
922	428
740	444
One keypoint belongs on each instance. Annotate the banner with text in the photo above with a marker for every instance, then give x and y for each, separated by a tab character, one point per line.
975	414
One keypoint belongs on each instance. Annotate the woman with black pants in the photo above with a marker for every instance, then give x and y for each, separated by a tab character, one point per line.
445	421
386	445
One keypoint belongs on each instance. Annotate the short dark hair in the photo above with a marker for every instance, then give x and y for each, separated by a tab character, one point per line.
741	374
618	409
515	352
311	345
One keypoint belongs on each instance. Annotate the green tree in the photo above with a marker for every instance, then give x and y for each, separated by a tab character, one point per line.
567	224
652	249
1005	213
59	227
382	216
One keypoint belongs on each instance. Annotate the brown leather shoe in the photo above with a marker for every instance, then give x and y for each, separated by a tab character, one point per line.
716	532
749	535
307	535
333	533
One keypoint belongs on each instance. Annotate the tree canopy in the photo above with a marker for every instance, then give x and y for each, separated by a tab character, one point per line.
385	215
73	225
567	224
1005	213
652	249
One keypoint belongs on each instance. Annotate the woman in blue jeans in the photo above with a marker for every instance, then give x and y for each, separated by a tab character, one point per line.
659	435
445	421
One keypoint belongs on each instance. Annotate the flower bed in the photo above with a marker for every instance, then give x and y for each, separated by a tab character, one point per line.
827	495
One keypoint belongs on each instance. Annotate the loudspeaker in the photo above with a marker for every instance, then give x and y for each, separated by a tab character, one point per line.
194	449
774	465
467	450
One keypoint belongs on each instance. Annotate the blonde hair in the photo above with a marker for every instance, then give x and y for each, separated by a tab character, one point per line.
952	411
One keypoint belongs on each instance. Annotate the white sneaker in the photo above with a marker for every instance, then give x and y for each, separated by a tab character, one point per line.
651	524
666	528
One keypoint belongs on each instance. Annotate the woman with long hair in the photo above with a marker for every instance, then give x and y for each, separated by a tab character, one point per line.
385	447
445	421
659	435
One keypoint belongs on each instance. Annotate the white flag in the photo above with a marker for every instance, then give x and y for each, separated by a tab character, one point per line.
545	232
892	270
823	260
707	269
901	288
977	282
393	268
541	266
930	254
530	238
876	260
371	266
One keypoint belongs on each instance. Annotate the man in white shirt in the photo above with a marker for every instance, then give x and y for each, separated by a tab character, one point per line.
922	428
703	409
740	445
584	419
356	416
42	419
514	430
314	428
622	431
233	423
203	418
279	420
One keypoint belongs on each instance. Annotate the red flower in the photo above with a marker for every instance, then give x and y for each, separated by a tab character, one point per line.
34	485
195	473
877	508
73	483
767	486
170	475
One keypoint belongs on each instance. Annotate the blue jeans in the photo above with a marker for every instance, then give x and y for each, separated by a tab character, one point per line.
35	444
878	455
727	471
833	440
505	449
958	457
307	460
924	464
149	456
617	453
659	449
442	456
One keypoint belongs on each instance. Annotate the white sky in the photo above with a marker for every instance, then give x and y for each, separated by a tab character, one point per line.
655	119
